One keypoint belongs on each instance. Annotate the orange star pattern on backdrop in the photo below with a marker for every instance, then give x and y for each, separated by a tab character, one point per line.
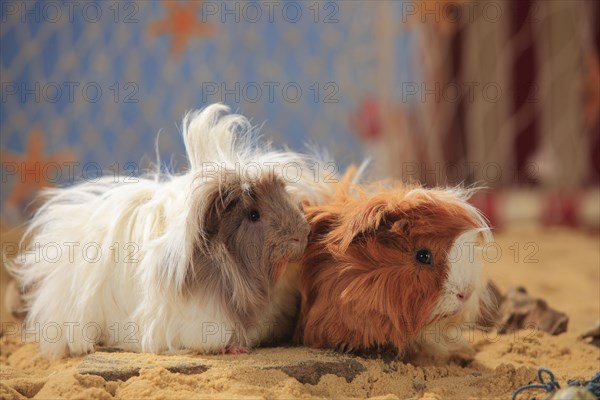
34	170
181	23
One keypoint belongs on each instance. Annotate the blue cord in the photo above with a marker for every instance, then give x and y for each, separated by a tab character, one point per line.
550	386
594	385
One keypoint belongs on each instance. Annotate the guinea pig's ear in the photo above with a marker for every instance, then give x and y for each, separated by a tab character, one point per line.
356	223
393	230
378	221
397	225
221	198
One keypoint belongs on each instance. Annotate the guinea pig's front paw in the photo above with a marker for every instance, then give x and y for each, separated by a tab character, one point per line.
235	350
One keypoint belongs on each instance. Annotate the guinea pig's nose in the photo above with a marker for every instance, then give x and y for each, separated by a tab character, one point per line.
302	236
299	239
464	295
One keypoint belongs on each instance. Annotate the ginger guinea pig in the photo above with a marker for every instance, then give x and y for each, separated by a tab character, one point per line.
391	268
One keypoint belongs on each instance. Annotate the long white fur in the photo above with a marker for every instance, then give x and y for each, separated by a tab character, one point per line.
452	319
139	306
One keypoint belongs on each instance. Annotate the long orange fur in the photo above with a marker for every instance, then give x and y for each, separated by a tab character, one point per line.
360	286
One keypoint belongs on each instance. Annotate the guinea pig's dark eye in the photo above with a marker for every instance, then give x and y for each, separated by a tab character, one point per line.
424	256
253	215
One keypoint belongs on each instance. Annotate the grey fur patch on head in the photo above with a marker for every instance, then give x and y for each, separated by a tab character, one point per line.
240	255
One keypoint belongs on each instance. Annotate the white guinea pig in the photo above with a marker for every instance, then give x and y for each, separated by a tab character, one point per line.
167	263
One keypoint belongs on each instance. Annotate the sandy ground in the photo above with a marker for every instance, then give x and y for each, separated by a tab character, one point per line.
559	265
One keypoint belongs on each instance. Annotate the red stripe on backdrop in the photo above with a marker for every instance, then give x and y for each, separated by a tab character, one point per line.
455	142
595	128
561	209
595	154
524	81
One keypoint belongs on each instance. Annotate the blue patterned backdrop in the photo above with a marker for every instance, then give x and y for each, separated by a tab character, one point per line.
94	82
